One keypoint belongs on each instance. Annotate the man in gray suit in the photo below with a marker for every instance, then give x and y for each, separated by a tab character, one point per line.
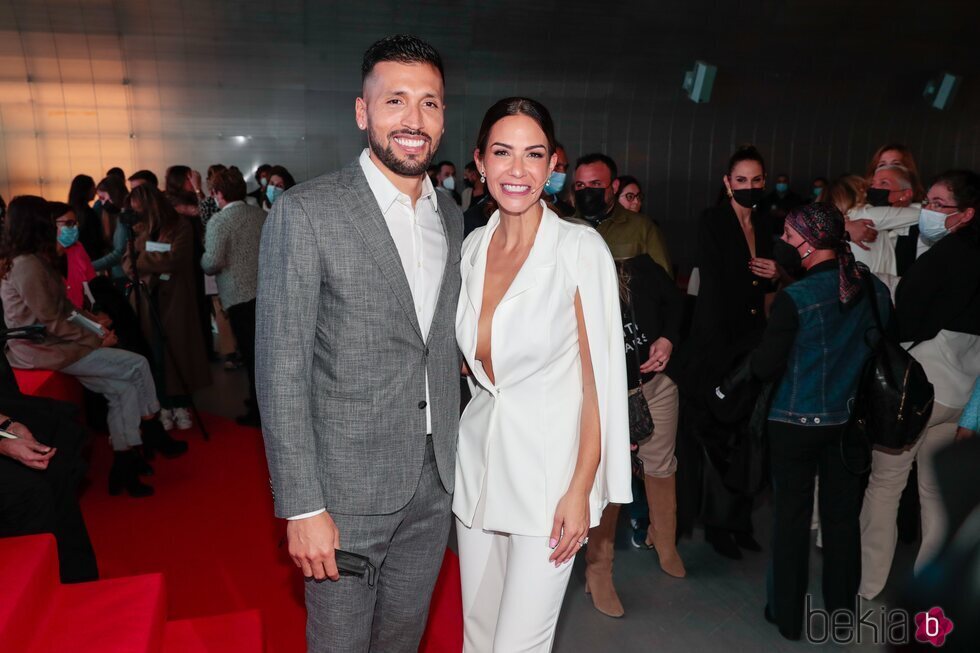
357	365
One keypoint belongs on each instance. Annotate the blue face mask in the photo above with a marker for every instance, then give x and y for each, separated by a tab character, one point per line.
932	225
67	236
817	190
556	181
782	187
273	193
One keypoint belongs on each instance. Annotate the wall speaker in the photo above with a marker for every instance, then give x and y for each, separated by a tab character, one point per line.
699	81
940	90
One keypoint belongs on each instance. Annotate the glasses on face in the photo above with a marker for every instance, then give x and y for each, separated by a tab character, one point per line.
633	197
937	205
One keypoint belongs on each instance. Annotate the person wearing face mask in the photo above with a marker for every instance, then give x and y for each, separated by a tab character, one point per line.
781	201
446	179
877	212
78	268
737	273
261	181
937	305
815	346
556	191
279	182
595	187
818	190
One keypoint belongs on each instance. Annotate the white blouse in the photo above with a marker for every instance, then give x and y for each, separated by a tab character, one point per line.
519	437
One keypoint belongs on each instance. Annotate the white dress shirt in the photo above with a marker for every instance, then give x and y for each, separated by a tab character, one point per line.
421	243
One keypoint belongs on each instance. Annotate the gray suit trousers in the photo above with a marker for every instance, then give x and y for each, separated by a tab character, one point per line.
407	547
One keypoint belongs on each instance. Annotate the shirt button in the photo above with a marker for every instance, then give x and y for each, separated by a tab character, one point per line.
753	311
816	420
755	282
422	405
802	420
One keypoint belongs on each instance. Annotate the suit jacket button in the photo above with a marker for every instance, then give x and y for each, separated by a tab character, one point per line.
422	405
755	282
426	351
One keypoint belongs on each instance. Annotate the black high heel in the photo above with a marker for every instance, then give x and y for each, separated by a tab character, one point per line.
124	476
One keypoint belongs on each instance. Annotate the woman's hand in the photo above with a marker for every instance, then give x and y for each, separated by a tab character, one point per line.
571	526
103	319
660	352
765	268
861	231
110	339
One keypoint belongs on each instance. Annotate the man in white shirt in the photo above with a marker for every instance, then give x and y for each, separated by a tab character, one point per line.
357	367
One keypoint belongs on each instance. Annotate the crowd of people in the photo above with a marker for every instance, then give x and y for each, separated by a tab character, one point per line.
131	283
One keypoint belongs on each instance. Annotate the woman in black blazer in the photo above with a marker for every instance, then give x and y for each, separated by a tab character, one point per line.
737	273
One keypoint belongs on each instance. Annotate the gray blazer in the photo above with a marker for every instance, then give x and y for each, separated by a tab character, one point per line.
340	357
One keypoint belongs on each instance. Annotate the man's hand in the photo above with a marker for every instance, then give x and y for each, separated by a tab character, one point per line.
103	319
660	352
861	231
312	542
26	450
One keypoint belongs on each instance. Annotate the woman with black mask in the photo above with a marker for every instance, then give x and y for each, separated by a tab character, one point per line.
737	270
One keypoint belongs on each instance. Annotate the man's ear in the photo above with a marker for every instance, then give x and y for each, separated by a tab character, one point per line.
360	113
615	186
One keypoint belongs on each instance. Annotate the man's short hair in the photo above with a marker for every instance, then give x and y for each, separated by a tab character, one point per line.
401	48
230	184
265	167
145	176
902	172
597	157
470	167
444	163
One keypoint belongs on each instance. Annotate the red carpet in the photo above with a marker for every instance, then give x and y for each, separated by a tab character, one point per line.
210	530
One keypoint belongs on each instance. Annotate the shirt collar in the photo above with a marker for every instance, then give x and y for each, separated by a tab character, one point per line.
385	192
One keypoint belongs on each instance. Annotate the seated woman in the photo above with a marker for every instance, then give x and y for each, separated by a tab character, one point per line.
33	292
168	310
78	270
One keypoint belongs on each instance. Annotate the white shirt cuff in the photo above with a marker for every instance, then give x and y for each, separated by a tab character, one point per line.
306	515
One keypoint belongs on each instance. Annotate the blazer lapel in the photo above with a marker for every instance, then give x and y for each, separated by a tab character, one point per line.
367	219
453	245
542	254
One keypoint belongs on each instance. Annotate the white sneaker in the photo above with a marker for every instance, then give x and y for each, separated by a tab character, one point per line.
167	419
182	418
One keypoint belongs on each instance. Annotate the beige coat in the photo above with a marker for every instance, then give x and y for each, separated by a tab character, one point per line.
169	276
34	293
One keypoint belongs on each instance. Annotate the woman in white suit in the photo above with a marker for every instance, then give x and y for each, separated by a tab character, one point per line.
544	443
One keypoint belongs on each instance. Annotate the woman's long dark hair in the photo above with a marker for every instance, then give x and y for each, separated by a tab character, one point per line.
175	178
517	106
155	211
28	229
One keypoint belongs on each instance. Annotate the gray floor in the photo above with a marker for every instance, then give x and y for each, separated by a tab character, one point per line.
718	607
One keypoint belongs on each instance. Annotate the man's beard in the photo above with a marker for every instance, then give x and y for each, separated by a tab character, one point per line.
412	167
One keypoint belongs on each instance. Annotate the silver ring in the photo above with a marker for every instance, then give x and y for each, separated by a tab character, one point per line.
583	542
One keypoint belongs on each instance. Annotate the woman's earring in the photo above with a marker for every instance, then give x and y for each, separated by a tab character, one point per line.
483	177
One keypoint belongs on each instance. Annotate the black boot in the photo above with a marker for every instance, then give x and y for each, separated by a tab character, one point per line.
143	468
747	542
124	476
157	439
723	543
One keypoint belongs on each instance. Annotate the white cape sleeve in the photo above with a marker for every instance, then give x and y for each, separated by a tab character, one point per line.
598	287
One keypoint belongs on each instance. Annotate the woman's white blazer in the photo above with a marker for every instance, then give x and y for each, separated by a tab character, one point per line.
519	437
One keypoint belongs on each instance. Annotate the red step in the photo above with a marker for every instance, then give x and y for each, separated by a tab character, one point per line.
238	632
121	615
28	580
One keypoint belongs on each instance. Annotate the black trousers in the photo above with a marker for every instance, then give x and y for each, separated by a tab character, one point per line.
798	453
35	501
242	320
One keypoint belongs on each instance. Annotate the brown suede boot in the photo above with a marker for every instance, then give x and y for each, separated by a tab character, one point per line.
599	564
662	498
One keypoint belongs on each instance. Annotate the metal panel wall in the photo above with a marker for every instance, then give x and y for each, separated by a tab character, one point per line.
88	84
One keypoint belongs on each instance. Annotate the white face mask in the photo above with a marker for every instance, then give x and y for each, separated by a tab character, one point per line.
449	183
932	225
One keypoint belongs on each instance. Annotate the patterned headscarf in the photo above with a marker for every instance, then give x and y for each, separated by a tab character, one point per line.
822	226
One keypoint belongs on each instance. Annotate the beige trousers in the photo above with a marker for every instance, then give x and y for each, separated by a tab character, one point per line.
657	452
889	474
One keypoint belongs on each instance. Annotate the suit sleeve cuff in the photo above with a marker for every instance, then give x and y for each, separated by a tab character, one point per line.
307	515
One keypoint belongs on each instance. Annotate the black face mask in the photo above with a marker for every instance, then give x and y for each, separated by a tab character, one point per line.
788	258
591	201
748	197
878	197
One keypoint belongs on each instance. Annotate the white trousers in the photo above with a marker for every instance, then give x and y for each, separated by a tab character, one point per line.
512	594
879	514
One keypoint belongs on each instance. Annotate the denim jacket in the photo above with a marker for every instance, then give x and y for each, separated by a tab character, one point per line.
829	351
